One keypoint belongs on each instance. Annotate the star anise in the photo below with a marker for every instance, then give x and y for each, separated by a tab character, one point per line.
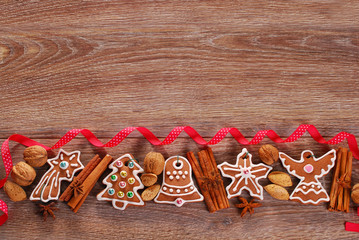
247	206
48	209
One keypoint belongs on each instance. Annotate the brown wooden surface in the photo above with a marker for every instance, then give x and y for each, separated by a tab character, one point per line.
159	64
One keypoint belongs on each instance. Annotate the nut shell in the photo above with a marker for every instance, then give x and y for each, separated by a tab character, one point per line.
355	193
268	154
277	191
35	156
150	193
148	179
154	163
23	174
280	178
14	191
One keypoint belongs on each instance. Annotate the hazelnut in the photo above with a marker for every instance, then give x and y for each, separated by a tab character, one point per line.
35	156
14	191
23	174
355	193
154	163
268	154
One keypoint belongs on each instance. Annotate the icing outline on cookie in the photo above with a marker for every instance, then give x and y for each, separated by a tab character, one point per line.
237	168
52	162
301	183
115	169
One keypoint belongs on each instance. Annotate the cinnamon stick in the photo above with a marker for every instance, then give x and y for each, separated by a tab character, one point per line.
335	184
80	178
347	180
342	172
198	174
221	185
212	175
76	201
206	174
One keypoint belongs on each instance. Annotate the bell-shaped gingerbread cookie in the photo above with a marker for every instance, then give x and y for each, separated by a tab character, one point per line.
178	187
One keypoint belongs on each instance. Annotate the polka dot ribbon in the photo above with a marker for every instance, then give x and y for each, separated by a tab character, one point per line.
119	137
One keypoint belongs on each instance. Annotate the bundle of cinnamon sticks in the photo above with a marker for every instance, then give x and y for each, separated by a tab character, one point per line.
209	180
341	183
77	192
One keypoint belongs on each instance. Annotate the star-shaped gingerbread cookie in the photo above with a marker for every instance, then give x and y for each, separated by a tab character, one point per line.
244	175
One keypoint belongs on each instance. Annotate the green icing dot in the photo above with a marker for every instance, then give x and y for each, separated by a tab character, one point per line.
113	177
131	164
130	194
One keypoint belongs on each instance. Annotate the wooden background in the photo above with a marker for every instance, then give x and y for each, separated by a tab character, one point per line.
209	64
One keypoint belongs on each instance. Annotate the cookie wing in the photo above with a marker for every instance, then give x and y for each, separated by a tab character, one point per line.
290	164
326	162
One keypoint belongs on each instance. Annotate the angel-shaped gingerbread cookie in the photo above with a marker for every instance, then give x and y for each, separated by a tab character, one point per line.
62	167
309	169
244	175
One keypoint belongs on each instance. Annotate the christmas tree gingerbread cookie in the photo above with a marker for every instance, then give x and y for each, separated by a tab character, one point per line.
178	187
244	175
123	183
309	169
62	167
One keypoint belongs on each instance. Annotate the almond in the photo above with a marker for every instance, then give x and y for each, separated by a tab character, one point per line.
154	163
277	191
280	178
148	179
35	156
150	193
355	193
268	154
14	191
23	174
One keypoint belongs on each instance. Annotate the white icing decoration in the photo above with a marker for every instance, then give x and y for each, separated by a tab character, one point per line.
68	173
191	187
180	160
180	172
186	190
174	172
72	157
244	176
45	180
178	191
323	172
74	165
183	176
109	184
171	190
168	173
164	188
170	177
177	177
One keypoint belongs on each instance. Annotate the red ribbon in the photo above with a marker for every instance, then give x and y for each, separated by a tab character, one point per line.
5	150
352	227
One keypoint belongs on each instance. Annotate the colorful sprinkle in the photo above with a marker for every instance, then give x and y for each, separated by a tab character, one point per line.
122	184
64	165
119	164
113	177
120	194
130	194
123	174
111	191
131	180
131	164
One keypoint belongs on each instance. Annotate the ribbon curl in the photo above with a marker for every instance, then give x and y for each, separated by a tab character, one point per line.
218	137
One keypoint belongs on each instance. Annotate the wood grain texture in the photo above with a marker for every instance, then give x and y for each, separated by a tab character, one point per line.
209	64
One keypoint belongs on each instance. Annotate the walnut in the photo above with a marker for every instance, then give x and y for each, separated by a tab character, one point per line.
14	191
154	163
35	156
23	174
355	193
268	154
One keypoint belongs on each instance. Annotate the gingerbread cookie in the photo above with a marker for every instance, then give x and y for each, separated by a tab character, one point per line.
123	183
309	169
178	187
244	175
62	167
